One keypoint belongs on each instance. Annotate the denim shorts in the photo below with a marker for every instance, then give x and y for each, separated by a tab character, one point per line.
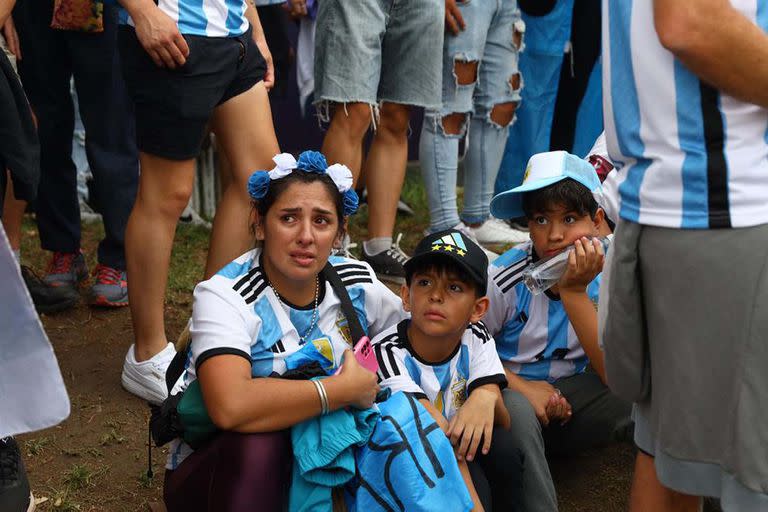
373	51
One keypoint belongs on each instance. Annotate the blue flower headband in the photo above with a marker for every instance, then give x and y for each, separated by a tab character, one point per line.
309	161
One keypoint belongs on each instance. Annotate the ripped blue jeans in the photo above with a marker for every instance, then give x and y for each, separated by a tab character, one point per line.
493	39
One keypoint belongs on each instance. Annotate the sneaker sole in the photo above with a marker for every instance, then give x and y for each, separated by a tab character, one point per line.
103	302
31	503
391	279
135	388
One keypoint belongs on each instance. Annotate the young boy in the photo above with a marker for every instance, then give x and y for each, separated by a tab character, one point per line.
548	342
444	355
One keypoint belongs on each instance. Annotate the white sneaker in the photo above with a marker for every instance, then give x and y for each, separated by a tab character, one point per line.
494	231
466	230
146	379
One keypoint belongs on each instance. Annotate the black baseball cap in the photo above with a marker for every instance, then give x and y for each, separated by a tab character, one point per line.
458	247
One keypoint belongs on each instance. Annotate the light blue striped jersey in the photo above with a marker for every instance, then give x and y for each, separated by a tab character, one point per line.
211	18
688	155
446	384
236	312
534	337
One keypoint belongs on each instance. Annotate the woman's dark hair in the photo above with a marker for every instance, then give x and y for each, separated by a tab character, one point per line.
568	193
279	186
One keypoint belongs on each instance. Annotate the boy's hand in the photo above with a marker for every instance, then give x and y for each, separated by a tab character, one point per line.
473	422
585	262
539	393
454	21
558	408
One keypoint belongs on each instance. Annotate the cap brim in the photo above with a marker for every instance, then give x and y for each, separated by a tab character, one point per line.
509	204
482	280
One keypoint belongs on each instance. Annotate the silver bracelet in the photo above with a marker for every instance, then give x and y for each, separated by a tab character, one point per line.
324	408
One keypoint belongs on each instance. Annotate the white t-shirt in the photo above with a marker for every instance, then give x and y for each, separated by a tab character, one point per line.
236	312
446	384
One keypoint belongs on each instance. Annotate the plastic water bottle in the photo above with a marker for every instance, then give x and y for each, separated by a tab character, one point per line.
544	274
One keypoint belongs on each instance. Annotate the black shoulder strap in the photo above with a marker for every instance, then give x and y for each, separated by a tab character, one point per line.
355	329
176	368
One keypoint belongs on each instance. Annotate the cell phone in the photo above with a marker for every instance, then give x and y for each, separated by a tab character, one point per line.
364	354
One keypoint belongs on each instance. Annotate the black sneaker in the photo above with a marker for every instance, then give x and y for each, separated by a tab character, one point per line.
15	495
48	298
388	264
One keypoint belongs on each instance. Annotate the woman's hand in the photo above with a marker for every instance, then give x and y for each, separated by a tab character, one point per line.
358	385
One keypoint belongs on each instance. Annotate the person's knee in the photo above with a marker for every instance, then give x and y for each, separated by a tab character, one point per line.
503	114
465	71
168	202
393	121
525	426
454	124
355	118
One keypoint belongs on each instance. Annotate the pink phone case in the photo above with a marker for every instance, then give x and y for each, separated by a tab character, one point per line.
365	356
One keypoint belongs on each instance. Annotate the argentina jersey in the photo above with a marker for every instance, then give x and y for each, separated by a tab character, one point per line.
446	384
688	155
210	18
534	337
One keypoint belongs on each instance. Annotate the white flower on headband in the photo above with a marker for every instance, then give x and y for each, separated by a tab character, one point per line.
341	176
284	164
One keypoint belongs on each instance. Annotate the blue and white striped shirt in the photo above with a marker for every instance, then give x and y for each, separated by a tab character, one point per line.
688	155
211	18
534	337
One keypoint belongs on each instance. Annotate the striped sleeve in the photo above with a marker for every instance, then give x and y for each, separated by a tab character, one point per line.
393	372
484	366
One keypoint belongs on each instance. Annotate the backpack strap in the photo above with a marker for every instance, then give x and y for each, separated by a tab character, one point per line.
355	329
176	368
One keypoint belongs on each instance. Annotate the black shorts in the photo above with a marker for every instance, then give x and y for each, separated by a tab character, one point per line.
173	106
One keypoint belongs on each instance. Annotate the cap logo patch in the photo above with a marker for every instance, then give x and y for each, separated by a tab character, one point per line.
527	172
450	243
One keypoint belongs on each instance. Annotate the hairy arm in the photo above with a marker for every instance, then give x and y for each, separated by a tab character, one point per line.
718	44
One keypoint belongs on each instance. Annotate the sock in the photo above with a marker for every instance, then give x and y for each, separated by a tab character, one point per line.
377	245
17	255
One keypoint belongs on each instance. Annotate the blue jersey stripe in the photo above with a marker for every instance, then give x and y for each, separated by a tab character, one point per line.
235	14
462	368
538	370
762	22
626	108
557	325
690	126
413	368
192	19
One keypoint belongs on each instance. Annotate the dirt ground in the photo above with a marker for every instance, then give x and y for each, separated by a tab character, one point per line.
97	459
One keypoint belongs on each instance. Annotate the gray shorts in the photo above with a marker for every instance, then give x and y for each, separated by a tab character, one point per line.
701	330
373	51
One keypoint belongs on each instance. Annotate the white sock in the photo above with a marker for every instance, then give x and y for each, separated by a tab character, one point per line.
17	255
377	245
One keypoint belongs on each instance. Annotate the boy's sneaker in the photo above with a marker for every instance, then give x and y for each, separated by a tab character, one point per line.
66	269
493	231
388	264
47	298
146	379
15	495
110	288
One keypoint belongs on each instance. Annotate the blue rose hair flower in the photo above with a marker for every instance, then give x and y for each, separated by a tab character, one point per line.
312	161
258	184
351	202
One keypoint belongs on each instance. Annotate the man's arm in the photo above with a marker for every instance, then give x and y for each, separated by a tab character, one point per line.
252	15
6	6
718	44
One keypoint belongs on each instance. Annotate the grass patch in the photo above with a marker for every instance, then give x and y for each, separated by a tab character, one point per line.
80	476
37	445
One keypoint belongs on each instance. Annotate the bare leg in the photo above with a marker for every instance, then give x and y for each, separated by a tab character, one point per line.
649	494
343	140
385	169
12	215
243	126
164	190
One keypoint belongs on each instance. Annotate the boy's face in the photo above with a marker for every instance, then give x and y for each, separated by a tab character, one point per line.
441	304
557	228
